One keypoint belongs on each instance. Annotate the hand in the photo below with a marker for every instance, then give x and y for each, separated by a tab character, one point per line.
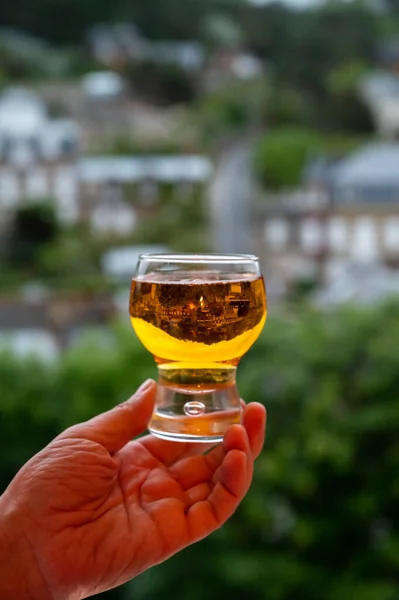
97	509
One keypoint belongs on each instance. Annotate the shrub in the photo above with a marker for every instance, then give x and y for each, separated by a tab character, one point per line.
321	518
161	83
282	154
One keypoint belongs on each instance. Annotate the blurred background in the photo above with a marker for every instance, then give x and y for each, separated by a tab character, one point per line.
227	126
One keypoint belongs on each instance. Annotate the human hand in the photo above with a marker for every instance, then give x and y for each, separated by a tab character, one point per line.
96	509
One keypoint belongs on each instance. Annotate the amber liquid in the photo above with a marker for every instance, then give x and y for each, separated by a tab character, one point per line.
197	325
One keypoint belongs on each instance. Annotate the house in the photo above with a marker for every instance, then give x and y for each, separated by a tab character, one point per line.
356	221
106	180
45	325
360	283
364	204
368	176
117	44
388	54
27	135
40	160
37	154
380	92
101	86
189	55
228	64
112	215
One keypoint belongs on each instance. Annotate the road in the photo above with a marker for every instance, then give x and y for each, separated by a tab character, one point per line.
230	199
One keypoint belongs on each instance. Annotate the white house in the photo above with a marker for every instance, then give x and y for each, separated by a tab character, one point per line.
39	159
37	154
27	135
112	215
380	91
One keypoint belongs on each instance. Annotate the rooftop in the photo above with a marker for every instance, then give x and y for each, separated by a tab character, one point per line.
379	84
135	168
375	164
21	112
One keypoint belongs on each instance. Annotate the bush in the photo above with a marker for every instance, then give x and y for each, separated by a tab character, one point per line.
34	226
126	145
161	84
344	108
281	156
287	107
321	518
232	109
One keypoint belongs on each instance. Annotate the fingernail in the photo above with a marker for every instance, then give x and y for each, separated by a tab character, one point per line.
145	386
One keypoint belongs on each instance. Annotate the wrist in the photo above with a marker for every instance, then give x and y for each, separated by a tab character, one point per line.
20	573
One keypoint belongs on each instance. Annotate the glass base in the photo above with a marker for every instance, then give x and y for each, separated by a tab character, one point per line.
195	405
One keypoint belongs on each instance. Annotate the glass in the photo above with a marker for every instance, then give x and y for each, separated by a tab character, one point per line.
197	314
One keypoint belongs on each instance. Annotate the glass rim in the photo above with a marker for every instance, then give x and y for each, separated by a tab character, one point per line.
193	258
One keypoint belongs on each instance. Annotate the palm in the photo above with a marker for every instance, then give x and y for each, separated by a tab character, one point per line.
99	517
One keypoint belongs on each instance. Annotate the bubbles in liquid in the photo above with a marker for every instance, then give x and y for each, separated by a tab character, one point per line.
194	409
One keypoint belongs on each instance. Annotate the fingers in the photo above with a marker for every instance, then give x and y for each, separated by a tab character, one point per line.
235	475
254	421
169	452
197	493
193	471
115	428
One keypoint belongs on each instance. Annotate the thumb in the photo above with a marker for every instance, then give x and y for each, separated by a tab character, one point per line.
115	428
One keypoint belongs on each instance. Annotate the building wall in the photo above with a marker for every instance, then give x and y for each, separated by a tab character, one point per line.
296	244
57	182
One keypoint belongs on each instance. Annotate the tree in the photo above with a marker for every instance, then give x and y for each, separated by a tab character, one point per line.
345	109
282	154
34	226
161	83
321	517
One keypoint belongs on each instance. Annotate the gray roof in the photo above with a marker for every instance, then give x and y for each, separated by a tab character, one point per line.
374	165
189	54
388	51
379	83
160	168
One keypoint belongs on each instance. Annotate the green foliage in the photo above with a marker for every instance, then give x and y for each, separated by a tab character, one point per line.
126	145
282	154
321	518
346	77
34	226
69	253
161	83
231	109
222	30
179	222
285	106
344	107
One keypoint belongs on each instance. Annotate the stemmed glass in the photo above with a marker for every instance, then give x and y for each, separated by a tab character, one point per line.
197	314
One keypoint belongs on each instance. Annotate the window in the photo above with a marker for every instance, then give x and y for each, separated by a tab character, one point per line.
337	234
9	188
364	241
311	235
277	233
37	184
391	234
